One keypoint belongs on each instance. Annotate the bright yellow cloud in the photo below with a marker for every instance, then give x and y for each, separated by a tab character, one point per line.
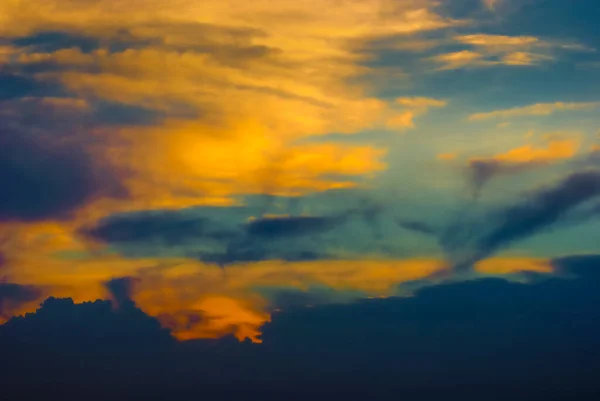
239	82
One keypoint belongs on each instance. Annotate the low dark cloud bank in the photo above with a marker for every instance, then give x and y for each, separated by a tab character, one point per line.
483	339
14	295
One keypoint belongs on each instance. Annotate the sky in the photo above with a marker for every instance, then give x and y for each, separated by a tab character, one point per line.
243	172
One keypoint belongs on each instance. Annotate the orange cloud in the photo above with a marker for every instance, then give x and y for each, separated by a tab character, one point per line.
447	156
507	265
555	150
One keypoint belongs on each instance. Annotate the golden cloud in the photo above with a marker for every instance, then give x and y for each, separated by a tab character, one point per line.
555	150
538	109
239	86
494	50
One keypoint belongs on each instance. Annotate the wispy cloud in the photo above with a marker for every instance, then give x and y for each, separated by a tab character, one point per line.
487	50
516	160
412	107
538	109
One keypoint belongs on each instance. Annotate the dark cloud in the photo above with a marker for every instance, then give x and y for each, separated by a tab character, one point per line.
121	290
277	227
61	327
13	295
44	179
14	86
584	266
235	238
474	235
538	211
482	171
51	41
109	113
170	227
483	339
242	250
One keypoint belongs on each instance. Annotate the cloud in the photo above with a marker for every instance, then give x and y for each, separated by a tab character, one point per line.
536	212
13	296
460	59
51	41
488	50
43	179
169	227
487	40
412	107
539	109
262	82
69	328
238	237
121	290
516	160
524	58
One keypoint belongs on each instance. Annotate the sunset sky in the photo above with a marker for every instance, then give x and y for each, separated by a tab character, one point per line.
229	159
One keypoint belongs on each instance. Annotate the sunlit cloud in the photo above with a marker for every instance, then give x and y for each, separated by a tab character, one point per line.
256	77
554	150
412	107
487	50
520	159
539	109
461	59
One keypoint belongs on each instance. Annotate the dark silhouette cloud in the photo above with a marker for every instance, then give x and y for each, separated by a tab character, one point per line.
13	295
472	236
121	290
51	41
14	86
481	339
168	226
195	233
41	179
61	326
540	210
482	171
